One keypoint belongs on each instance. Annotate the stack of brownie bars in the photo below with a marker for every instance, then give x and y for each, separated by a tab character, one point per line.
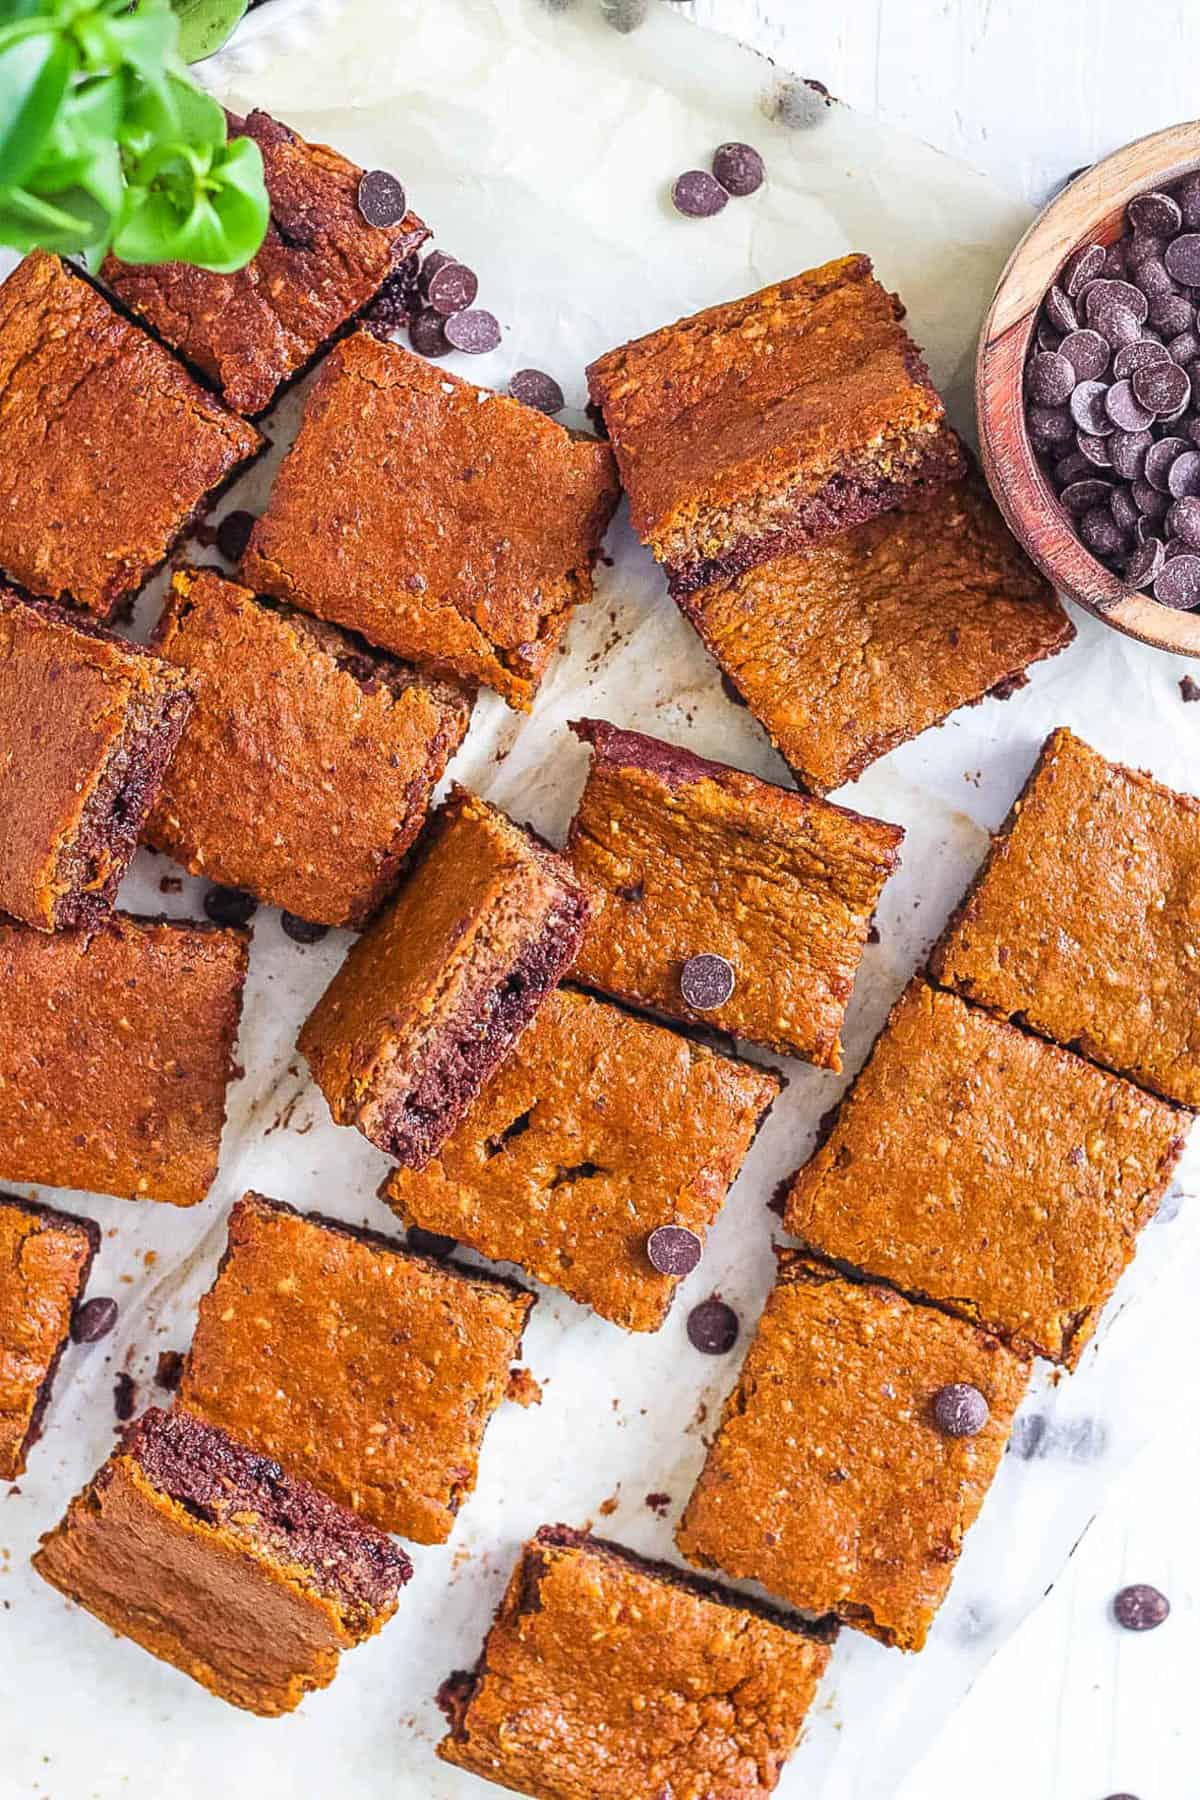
975	1196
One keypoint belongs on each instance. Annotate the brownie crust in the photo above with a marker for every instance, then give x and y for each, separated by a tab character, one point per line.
45	1260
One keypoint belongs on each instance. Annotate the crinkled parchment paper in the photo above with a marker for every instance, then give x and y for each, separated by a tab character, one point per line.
540	142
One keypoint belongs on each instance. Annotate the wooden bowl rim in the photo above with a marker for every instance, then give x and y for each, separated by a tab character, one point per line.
1091	206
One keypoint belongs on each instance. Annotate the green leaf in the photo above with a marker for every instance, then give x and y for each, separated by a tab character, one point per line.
204	25
191	207
35	72
71	226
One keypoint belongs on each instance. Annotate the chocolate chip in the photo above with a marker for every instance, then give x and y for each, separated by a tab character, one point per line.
1183	476
1182	259
1100	533
960	1410
1189	690
381	199
534	388
1060	312
476	331
1159	387
1144	564
1159	458
1051	376
93	1320
452	287
430	1243
1153	279
1087	353
1071	467
1128	452
1183	520
1082	496
698	195
1124	406
1140	1607
1149	501
427	333
712	1327
233	534
1172	314
1179	583
1095	449
1124	510
230	905
1051	423
1088	409
1046	337
673	1249
1101	295
1136	356
706	981
1081	267
1155	212
739	169
303	931
124	1397
1119	324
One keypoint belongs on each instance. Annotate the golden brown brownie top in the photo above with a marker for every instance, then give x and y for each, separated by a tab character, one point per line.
683	857
596	1130
604	1674
829	1480
1086	918
115	1050
107	446
308	766
448	524
996	1174
44	1260
784	385
846	649
68	698
321	262
370	1372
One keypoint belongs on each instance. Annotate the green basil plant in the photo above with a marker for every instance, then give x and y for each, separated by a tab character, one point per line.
106	142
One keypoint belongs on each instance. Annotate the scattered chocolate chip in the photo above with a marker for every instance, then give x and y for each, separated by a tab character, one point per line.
1140	1607
739	169
124	1397
673	1249
303	931
712	1327
698	195
168	1371
706	982
430	1243
233	534
960	1410
1189	690
532	387
93	1320
230	905
452	287
427	333
381	199
475	331
1178	585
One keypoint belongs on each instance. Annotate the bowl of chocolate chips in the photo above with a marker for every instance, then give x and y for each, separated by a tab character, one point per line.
1088	390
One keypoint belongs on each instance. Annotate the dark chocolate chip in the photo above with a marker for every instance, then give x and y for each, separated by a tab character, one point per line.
1095	449
1051	376
1081	267
1159	458
1087	353
1088	408
1070	467
1178	585
706	981
1126	409
1145	563
233	534
452	288
1155	212
1172	314
712	1327
1101	295
94	1320
1153	279
1136	356
1060	312
1183	476
673	1249
1124	510
697	194
1053	424
1128	452
476	331
739	169
1183	520
427	333
230	905
1140	1607
381	199
1160	387
1119	324
960	1410
1082	496
1185	348
124	1397
303	931
1100	533
1148	500
1182	258
532	387
430	1243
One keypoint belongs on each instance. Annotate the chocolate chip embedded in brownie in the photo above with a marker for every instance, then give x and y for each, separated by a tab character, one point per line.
984	1169
1085	918
772	422
321	263
849	647
213	1559
598	1131
831	1480
309	764
450	525
310	1321
116	1048
109	448
722	899
88	724
566	1700
45	1260
433	995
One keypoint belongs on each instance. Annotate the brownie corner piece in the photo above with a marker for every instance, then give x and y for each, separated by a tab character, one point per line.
773	421
213	1559
45	1260
587	1636
431	997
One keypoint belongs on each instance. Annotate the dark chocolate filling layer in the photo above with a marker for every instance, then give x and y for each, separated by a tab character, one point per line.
88	1229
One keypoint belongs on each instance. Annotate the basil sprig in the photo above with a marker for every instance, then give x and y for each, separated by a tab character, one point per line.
106	143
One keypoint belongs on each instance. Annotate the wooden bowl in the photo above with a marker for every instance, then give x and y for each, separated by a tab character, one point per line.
1090	210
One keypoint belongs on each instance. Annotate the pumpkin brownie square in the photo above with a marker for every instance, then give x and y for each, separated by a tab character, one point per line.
596	1132
977	1166
84	396
605	1673
217	1562
849	647
772	422
309	764
360	1367
830	1479
448	524
432	997
1084	920
321	263
116	1049
683	858
88	724
45	1260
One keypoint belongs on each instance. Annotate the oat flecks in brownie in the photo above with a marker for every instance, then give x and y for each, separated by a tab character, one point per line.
772	422
45	1260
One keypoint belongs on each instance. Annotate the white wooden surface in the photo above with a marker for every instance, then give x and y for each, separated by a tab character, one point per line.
1028	90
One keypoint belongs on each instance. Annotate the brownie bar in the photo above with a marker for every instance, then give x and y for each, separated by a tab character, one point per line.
309	765
45	1260
433	995
321	264
213	1559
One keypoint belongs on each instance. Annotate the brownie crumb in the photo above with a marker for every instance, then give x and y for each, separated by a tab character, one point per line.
659	1504
169	1370
525	1389
124	1397
1012	684
1189	689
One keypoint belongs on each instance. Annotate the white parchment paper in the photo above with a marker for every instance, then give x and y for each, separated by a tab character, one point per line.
540	141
